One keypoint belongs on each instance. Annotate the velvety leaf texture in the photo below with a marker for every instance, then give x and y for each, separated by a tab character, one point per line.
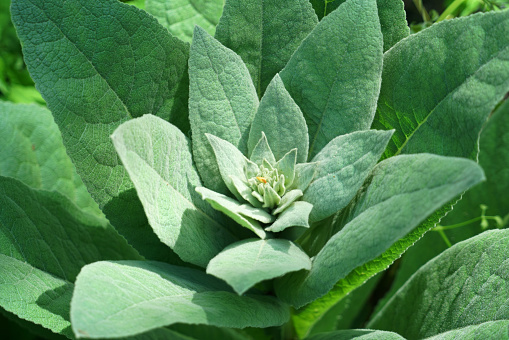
465	285
265	33
180	17
357	334
489	330
158	159
222	102
131	297
438	102
117	63
345	48
399	194
245	263
32	151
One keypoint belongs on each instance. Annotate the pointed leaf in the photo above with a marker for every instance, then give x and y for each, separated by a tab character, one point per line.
245	263
180	16
245	191
296	215
304	174
262	151
243	214
280	119
345	48
286	165
288	198
267	37
402	192
33	152
131	297
439	101
222	102
157	157
342	166
118	63
465	285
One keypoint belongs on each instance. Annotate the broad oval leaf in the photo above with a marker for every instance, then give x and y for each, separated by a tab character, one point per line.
440	85
245	263
222	102
266	38
334	76
468	284
158	158
398	195
131	297
180	16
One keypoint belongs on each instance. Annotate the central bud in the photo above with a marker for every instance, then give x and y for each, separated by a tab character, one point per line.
268	186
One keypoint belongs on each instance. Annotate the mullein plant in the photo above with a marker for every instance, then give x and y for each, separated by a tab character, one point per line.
258	176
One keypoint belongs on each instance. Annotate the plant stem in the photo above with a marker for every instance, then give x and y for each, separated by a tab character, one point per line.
445	238
450	9
457	225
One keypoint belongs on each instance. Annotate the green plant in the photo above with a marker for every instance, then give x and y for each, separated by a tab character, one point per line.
291	159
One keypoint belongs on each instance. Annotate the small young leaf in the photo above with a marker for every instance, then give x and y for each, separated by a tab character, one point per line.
245	263
399	194
465	285
344	49
295	215
131	297
267	37
342	166
281	120
222	102
157	157
262	151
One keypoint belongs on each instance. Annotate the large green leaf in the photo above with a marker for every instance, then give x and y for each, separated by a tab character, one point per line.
180	16
343	165
44	241
440	85
131	297
282	122
399	194
391	13
465	285
117	63
222	102
245	263
267	36
357	334
32	151
334	76
488	330
158	158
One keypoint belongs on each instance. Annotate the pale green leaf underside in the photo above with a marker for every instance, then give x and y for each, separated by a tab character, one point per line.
180	16
265	38
400	193
131	297
488	330
32	151
342	166
440	85
342	60
357	334
158	159
465	285
282	122
35	295
245	263
222	102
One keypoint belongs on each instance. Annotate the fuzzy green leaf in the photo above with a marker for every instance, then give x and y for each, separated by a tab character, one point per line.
32	151
180	16
157	157
262	151
281	120
222	102
295	215
245	263
488	330
357	334
116	64
399	194
267	37
466	285
440	85
342	166
342	60
131	297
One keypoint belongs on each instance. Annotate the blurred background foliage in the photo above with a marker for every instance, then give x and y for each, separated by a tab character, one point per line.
485	207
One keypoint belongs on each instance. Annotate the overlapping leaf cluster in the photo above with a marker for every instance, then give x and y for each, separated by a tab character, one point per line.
279	180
